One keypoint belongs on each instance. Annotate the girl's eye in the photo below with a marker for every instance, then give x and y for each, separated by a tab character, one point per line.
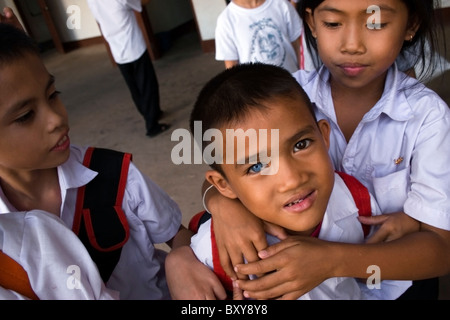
256	168
331	25
24	118
302	144
376	26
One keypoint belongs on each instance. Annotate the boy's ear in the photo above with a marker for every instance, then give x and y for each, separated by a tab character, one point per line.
325	129
310	22
220	183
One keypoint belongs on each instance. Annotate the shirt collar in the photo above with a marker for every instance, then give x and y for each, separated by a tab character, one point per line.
394	101
73	174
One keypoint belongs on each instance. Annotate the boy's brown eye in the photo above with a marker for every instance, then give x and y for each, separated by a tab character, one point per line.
24	117
302	144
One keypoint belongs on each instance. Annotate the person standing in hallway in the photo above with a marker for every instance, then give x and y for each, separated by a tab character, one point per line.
120	28
266	31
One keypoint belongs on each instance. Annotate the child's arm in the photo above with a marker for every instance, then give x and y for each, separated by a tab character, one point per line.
298	262
392	226
230	63
187	277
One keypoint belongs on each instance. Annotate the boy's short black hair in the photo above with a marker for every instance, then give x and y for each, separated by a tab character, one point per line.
14	44
233	93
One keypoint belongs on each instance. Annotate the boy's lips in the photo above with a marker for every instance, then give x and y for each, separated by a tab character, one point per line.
301	203
62	144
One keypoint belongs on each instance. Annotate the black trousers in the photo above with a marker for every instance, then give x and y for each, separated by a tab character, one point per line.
141	80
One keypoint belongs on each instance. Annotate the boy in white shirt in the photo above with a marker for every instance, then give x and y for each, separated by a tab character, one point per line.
41	169
268	31
294	187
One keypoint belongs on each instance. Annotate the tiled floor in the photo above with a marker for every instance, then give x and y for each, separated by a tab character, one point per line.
102	114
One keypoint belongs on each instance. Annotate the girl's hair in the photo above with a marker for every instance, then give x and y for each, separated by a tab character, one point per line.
420	49
14	44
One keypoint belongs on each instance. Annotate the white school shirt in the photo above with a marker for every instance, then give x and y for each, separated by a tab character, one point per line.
400	150
120	28
57	263
263	34
340	224
153	217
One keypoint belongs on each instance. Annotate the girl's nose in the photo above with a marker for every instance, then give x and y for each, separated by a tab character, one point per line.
353	41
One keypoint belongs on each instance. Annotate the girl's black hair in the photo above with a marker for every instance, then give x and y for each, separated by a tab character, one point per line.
14	44
422	46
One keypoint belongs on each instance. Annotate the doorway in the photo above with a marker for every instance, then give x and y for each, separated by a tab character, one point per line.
39	24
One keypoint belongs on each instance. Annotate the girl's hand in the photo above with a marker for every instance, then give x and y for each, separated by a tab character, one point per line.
392	226
293	267
9	17
238	234
189	279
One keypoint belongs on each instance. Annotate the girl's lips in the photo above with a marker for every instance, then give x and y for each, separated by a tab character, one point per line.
63	144
352	70
301	204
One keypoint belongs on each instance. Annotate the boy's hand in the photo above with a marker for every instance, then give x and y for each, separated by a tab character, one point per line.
9	17
293	267
189	279
392	226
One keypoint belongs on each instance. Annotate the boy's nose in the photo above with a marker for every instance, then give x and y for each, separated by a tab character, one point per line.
56	117
290	176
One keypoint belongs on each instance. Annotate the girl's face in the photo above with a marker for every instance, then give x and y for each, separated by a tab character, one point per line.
359	40
33	121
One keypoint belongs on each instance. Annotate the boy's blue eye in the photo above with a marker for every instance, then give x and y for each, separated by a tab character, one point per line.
257	168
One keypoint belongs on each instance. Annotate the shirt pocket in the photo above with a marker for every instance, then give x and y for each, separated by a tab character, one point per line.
391	191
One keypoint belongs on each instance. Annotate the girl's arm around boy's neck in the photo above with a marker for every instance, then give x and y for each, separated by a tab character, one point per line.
299	262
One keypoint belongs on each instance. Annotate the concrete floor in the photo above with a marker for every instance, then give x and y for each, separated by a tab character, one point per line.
102	113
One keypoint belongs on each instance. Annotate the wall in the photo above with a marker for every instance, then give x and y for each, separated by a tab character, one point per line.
206	13
88	25
445	3
164	16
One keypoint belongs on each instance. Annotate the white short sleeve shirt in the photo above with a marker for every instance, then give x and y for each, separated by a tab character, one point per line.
57	263
120	28
263	34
